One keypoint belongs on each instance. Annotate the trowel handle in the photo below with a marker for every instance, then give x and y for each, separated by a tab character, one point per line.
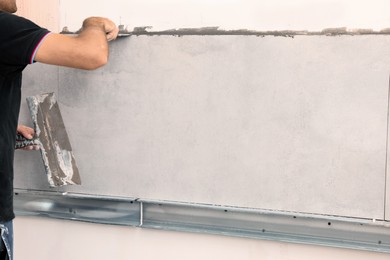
22	141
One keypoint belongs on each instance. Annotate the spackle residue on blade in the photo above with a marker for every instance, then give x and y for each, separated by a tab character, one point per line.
52	101
64	159
33	106
46	164
43	97
40	98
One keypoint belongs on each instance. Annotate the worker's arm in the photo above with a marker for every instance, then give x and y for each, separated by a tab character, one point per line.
88	50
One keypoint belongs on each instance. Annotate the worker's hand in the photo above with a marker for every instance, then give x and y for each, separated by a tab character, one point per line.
111	30
108	26
28	133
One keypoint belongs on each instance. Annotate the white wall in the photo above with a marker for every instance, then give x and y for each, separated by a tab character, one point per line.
42	12
48	239
41	238
311	15
233	14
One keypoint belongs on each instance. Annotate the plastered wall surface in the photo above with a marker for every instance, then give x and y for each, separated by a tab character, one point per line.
294	124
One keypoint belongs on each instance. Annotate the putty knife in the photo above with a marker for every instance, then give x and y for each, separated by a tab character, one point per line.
52	139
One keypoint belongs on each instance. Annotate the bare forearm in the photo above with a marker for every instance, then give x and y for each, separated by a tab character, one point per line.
93	39
88	50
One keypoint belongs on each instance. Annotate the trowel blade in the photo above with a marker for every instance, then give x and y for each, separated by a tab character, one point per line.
56	151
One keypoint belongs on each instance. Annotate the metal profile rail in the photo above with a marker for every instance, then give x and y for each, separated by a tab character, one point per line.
353	233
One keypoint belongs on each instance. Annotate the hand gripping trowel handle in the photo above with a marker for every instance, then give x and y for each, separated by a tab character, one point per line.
22	142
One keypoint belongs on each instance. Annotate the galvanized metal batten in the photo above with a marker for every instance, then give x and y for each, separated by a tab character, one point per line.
363	234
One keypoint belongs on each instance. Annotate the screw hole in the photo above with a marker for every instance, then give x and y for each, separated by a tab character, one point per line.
329	223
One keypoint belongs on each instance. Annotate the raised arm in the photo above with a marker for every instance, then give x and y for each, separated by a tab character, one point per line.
88	50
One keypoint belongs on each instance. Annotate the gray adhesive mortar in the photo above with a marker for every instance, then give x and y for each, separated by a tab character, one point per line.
215	31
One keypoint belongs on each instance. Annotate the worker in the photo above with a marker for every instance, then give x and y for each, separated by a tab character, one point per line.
22	42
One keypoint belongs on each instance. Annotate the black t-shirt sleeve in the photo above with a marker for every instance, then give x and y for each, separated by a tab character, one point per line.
19	39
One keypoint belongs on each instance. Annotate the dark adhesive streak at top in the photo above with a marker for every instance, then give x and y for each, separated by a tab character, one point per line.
211	31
